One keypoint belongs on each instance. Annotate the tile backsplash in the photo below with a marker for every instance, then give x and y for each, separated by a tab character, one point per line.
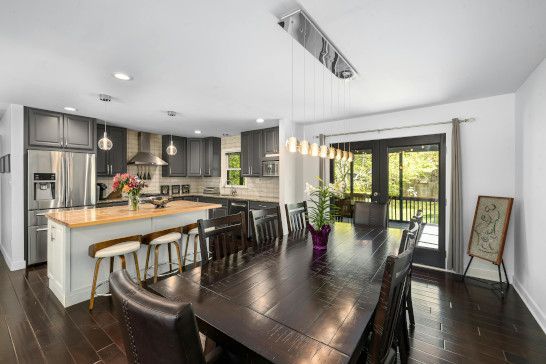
254	187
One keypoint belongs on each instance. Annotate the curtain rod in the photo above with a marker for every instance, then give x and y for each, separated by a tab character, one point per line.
469	120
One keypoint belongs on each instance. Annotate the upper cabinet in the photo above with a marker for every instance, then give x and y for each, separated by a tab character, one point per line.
211	157
251	153
110	162
48	129
177	162
194	158
270	142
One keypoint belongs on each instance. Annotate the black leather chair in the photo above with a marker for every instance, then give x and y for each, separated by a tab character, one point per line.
370	214
156	330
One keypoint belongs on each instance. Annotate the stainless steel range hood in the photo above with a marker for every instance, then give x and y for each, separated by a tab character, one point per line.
144	157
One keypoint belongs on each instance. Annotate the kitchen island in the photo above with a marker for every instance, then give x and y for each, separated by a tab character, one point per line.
70	233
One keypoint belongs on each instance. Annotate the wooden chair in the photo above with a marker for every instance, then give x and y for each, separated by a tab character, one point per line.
156	239
226	235
389	330
156	329
111	249
266	224
370	214
345	208
297	216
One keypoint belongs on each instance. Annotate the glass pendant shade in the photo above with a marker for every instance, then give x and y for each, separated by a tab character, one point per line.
171	149
315	150
292	144
105	143
351	157
304	147
339	154
344	156
331	153
323	151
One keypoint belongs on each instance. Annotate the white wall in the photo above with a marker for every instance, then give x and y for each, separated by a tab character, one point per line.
530	129
13	189
488	154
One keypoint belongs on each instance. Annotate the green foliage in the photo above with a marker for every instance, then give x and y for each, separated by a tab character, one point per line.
321	210
234	160
234	177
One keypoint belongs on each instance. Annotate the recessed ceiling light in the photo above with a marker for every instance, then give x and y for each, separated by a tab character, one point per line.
260	120
197	132
70	108
122	76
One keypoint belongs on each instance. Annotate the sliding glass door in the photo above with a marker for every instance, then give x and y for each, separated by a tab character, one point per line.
409	175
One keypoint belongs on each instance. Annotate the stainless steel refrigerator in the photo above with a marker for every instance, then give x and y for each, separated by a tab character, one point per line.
56	180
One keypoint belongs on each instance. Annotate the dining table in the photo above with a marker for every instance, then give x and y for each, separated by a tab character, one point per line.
285	302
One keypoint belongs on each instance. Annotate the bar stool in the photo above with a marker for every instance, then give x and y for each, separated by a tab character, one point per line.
156	239
191	230
111	249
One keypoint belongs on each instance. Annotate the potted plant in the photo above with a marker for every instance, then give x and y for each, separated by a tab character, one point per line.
131	185
322	212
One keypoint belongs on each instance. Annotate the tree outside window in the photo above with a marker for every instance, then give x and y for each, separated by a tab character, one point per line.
234	176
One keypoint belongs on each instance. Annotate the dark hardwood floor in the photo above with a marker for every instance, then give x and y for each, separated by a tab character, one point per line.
455	323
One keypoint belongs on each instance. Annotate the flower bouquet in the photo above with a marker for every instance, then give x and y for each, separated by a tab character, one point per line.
131	185
321	211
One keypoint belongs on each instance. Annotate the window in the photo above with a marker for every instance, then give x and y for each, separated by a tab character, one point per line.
234	176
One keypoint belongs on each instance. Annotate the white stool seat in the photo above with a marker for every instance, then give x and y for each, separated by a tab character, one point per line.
118	249
167	238
195	231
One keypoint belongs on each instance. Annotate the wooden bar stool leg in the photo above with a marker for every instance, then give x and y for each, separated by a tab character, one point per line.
186	250
178	256
147	261
137	268
94	285
122	261
156	262
170	259
111	264
195	240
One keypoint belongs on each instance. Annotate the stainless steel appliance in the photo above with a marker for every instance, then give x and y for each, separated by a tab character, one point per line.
56	180
270	168
211	190
101	187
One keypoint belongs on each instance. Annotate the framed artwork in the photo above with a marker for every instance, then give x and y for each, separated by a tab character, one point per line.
489	228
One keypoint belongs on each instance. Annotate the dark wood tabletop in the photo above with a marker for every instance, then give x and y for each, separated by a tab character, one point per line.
285	302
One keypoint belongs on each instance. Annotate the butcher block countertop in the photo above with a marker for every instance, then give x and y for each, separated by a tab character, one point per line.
107	215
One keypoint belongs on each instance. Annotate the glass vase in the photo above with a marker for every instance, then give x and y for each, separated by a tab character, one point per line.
133	202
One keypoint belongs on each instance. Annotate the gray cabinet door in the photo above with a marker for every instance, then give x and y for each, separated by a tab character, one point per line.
211	157
246	151
79	132
194	157
256	160
270	141
177	163
45	128
37	244
117	156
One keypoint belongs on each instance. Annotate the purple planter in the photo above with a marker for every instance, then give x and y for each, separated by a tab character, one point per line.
320	237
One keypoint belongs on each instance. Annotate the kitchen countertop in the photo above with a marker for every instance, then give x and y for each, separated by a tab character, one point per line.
106	215
228	197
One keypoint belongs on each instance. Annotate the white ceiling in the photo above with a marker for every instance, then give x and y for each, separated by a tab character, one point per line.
222	64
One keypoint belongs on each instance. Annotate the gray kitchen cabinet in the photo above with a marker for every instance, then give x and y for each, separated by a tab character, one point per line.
270	141
251	153
110	162
45	128
194	157
177	163
56	130
211	157
79	132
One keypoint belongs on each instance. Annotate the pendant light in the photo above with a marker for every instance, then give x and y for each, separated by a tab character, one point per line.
292	142
351	156
304	144
105	143
171	149
339	153
323	151
331	152
344	155
314	150
304	147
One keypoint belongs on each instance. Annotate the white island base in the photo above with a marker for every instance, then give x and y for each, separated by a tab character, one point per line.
70	268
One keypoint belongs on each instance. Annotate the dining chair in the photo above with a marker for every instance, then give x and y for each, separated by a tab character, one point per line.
156	329
410	238
389	329
297	216
266	224
226	235
370	214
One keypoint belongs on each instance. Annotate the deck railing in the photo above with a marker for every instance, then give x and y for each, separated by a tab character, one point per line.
404	208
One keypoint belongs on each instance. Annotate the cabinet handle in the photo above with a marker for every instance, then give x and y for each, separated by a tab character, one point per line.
41	229
41	214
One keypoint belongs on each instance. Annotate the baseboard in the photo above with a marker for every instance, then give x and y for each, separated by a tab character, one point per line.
12	265
535	309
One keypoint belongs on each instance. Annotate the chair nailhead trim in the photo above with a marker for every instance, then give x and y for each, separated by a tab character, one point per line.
130	331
